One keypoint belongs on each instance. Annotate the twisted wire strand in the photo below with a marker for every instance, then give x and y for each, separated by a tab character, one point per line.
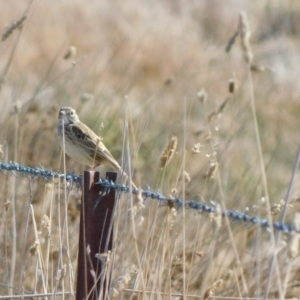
46	174
147	193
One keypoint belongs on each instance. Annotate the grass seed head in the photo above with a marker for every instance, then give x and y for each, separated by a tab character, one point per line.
70	53
260	68
211	290
232	85
245	33
196	149
168	153
199	254
45	224
87	97
187	177
15	25
172	213
124	280
212	171
34	248
211	116
7	204
202	95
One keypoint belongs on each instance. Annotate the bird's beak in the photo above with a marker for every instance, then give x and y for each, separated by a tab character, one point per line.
62	112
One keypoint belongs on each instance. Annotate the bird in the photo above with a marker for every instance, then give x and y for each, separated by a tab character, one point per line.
82	144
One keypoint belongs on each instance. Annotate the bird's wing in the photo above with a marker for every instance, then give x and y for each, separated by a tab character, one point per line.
92	143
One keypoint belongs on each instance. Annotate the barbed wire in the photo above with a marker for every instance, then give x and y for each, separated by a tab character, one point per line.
46	174
175	202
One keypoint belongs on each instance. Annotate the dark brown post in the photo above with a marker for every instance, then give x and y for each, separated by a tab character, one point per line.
96	234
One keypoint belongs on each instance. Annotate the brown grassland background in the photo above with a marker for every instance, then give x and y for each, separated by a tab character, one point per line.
143	62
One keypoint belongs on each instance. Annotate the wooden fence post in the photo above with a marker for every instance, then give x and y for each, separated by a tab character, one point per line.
96	237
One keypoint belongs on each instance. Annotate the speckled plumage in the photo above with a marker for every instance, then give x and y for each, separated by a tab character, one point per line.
81	143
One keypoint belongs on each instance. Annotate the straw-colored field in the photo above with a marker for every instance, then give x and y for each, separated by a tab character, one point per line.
143	63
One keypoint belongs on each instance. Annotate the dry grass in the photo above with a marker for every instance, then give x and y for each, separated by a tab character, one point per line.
139	63
168	153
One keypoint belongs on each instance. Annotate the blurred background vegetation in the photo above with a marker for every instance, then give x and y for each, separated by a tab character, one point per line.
143	62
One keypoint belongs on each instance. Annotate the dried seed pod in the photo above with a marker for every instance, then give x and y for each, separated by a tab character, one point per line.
245	33
168	153
15	25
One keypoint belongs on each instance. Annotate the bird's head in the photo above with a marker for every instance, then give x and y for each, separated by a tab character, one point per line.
68	115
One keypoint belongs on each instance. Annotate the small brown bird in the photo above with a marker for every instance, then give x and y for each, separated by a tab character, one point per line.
83	144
